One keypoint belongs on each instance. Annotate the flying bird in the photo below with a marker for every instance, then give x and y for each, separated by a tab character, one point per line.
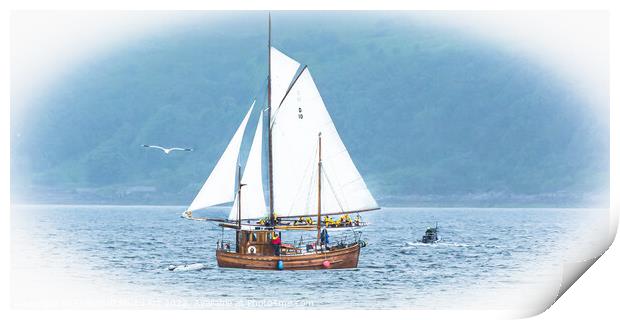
167	150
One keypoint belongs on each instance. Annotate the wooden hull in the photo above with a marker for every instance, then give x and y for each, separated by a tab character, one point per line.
338	259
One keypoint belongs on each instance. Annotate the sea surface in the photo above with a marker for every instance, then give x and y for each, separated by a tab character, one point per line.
118	256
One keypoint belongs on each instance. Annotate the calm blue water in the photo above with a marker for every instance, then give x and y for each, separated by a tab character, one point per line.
481	250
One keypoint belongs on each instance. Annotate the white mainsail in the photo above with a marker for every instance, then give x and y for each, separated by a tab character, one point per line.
298	115
252	194
295	129
283	69
220	187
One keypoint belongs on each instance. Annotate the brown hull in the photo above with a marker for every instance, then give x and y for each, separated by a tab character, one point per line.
338	259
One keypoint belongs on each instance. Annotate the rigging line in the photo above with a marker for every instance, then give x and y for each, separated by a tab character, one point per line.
264	94
352	181
311	193
290	86
311	165
329	182
239	155
335	154
257	93
259	88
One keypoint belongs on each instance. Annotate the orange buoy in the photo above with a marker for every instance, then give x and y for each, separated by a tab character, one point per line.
326	264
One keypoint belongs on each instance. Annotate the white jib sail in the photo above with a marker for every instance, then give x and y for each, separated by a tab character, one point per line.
252	195
295	131
283	69
220	187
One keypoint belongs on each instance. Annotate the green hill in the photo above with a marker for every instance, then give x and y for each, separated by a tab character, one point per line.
429	117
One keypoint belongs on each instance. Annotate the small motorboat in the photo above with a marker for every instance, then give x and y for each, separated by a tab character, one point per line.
430	236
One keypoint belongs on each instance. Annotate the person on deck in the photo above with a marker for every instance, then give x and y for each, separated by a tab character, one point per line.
358	220
325	238
329	221
300	220
340	221
276	242
347	220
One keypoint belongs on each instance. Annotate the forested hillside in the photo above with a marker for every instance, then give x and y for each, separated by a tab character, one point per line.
429	117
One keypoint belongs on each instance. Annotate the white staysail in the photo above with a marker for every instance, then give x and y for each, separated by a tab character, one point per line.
283	69
220	187
252	195
295	131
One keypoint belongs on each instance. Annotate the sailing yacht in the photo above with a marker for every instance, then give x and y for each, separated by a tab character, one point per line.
313	184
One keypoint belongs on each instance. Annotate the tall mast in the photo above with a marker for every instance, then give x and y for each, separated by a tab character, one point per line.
239	196
318	222
271	213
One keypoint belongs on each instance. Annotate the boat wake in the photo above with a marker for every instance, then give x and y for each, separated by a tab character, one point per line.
410	244
187	267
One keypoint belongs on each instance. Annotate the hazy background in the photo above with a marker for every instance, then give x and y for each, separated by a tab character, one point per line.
432	112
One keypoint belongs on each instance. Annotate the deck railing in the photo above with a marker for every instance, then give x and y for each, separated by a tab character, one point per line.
224	245
304	244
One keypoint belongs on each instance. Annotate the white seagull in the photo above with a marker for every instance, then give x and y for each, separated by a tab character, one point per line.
168	150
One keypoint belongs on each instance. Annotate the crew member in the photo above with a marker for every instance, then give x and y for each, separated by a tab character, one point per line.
325	238
357	220
300	220
276	242
347	220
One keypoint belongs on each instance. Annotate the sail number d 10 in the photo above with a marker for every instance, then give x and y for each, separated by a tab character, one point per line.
300	115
